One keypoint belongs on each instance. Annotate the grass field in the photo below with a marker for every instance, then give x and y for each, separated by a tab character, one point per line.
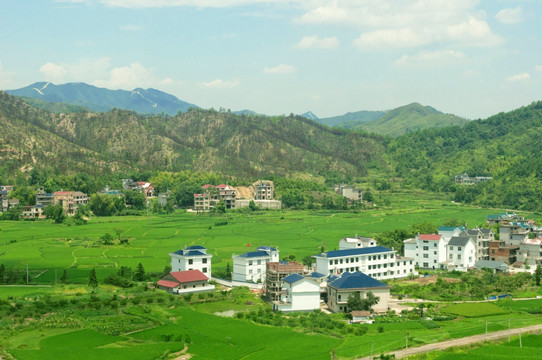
46	246
474	309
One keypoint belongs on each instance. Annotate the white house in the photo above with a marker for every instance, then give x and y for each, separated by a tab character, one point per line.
461	253
427	250
448	232
184	282
356	242
250	266
301	294
530	252
192	258
350	283
376	261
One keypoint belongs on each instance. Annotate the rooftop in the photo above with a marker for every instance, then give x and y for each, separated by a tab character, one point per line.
458	241
356	280
433	237
358	251
188	276
290	279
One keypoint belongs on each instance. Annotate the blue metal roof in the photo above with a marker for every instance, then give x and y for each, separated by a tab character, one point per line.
266	248
316	275
290	279
357	251
195	247
186	252
356	280
255	254
450	228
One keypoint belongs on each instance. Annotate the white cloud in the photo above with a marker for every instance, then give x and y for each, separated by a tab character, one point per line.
431	58
138	4
518	77
387	38
473	32
280	69
53	72
510	16
221	84
314	42
538	67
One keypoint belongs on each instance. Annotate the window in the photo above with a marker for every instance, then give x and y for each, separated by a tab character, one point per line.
259	262
434	261
339	297
346	260
425	256
204	270
259	271
451	256
385	256
458	256
250	271
336	261
451	247
250	262
425	265
459	248
434	244
204	260
425	248
190	261
330	262
434	253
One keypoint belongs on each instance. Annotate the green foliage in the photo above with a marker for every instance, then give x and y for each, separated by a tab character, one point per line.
136	199
55	212
106	205
93	280
139	273
538	275
355	302
474	309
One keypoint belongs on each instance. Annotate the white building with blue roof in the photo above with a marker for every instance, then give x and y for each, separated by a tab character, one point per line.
250	266
192	258
378	262
300	293
340	289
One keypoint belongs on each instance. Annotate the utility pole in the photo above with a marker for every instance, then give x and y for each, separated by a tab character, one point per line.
508	330
372	344
486	327
520	344
406	338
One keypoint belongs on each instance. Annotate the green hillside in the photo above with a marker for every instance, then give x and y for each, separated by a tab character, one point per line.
409	118
351	119
201	140
506	146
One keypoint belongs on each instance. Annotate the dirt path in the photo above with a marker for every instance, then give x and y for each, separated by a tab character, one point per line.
399	354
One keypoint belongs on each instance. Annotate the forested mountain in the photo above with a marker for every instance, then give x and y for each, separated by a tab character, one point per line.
149	101
202	140
404	119
506	146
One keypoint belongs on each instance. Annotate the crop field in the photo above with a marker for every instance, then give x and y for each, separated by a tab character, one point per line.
531	346
474	309
530	306
45	246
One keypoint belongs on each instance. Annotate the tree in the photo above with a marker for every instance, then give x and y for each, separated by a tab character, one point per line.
104	205
220	208
2	273
107	239
55	213
355	302
252	205
139	273
228	271
538	275
64	276
93	280
136	199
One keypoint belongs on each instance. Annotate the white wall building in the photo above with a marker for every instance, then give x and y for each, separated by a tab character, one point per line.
448	232
192	258
350	283
356	242
461	253
427	250
376	261
300	294
250	266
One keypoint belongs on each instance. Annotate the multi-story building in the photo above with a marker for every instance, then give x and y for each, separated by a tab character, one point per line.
264	190
356	242
192	258
513	233
251	266
447	232
226	194
33	212
351	192
500	251
299	293
481	238
461	253
376	261
339	290
497	219
70	200
465	179
43	198
530	252
275	272
427	250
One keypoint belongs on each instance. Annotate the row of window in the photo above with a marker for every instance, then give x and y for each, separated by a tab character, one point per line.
356	259
191	261
250	262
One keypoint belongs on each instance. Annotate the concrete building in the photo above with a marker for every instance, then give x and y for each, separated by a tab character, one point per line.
427	250
251	266
33	212
500	251
447	232
299	294
43	198
350	283
163	197
513	233
70	200
275	272
495	266
262	204
497	219
376	261
264	190
192	258
351	192
465	179
356	243
530	252
184	282
461	252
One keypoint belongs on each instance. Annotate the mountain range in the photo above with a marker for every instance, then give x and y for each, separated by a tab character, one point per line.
145	101
80	97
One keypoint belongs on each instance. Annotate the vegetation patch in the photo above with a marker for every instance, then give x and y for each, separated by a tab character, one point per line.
474	309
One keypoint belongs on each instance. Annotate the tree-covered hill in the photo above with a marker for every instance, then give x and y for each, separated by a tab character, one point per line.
506	146
201	140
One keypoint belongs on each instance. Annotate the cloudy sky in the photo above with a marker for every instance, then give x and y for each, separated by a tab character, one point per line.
467	57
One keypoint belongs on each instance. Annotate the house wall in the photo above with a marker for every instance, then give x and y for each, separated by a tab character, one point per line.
182	263
462	257
249	269
338	299
303	295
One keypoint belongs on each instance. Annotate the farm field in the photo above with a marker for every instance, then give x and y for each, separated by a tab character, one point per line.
45	246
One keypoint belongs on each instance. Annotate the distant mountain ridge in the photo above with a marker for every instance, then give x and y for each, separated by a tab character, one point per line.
396	122
145	101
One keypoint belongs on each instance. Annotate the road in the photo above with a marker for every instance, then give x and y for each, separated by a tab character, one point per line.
399	354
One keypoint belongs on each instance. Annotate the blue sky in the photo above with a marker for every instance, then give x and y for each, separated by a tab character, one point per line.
466	57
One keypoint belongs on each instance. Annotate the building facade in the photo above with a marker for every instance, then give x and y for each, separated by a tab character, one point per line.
184	282
299	294
339	290
251	266
275	272
192	258
427	250
70	200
